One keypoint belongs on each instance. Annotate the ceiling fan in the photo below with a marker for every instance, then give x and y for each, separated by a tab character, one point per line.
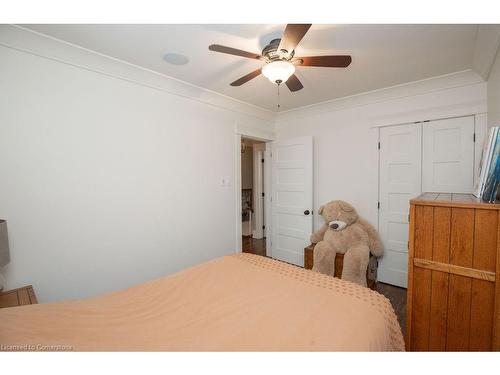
279	56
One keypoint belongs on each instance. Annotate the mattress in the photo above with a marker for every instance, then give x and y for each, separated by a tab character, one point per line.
240	302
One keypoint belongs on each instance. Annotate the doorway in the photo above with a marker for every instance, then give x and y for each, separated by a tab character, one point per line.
253	191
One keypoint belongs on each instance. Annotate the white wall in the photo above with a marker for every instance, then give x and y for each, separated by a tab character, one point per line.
345	156
494	94
107	182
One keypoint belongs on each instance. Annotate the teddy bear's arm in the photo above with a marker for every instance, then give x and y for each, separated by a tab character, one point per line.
319	234
376	246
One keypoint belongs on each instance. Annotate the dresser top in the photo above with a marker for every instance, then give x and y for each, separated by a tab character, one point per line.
453	200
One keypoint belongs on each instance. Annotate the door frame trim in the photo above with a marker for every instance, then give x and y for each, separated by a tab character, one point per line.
266	137
259	151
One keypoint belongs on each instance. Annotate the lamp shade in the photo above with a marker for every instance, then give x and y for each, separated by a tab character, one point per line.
4	244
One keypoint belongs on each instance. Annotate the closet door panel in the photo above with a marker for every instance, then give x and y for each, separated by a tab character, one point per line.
400	181
448	155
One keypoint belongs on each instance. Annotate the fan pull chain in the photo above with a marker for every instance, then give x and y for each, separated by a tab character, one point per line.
278	96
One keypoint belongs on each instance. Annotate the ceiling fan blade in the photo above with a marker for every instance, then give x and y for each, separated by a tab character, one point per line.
233	51
293	83
246	78
293	34
339	61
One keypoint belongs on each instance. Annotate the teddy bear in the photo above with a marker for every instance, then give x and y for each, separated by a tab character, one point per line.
346	233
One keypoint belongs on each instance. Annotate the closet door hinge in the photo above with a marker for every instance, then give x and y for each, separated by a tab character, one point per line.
474	137
378	205
263	194
262	160
263	227
379	145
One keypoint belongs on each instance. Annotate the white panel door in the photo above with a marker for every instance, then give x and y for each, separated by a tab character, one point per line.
448	155
400	181
292	198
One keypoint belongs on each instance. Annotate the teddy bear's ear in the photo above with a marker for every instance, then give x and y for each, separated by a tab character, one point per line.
320	210
346	206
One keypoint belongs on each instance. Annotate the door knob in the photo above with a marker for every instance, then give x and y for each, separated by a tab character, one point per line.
306	212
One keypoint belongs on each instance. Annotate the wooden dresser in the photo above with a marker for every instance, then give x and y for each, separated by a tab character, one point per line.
453	274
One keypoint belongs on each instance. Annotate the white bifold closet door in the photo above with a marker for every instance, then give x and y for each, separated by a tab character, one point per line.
433	156
292	198
400	181
448	155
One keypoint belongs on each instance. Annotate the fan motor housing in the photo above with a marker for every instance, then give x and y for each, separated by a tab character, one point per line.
271	53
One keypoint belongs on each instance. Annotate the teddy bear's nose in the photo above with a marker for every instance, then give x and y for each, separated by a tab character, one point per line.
334	226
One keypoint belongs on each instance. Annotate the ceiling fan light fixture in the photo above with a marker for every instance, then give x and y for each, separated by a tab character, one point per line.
278	71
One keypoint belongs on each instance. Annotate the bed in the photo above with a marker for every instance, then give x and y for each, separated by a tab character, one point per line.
240	302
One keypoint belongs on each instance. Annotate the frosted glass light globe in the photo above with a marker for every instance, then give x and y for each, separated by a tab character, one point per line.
278	71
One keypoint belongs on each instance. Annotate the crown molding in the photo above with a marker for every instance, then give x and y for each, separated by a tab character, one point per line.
29	41
425	86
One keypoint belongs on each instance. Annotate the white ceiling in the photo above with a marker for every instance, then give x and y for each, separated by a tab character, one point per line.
383	55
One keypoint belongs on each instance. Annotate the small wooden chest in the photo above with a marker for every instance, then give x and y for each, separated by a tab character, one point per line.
371	272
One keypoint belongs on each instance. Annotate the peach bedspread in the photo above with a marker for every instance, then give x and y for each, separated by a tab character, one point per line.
240	302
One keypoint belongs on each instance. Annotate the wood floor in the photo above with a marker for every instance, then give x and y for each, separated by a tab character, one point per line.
254	246
396	295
